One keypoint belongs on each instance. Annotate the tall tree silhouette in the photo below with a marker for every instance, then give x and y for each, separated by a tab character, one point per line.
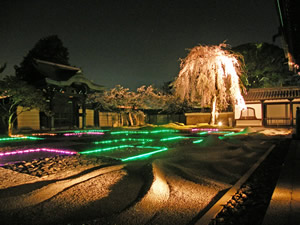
49	49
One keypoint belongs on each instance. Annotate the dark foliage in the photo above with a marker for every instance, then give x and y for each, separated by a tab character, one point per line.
265	66
49	49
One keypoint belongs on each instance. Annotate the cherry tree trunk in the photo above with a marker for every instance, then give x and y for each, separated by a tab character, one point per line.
213	111
10	126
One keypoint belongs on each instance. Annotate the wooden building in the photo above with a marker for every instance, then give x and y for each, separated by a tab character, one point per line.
66	89
269	107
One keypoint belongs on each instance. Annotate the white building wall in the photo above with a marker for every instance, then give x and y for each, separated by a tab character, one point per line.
255	106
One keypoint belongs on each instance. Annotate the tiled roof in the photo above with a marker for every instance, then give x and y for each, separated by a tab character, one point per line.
272	93
55	71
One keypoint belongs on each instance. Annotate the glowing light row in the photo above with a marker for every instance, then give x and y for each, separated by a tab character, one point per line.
106	149
19	138
163	131
129	132
172	138
145	155
43	134
231	134
216	132
143	131
204	129
203	133
82	133
198	141
123	140
221	132
37	150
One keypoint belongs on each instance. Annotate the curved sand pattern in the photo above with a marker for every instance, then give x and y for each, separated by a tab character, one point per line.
173	189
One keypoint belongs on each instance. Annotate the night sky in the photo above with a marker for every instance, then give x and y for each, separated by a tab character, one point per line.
132	42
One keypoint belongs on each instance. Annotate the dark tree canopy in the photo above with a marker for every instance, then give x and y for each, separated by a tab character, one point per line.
265	65
15	93
49	49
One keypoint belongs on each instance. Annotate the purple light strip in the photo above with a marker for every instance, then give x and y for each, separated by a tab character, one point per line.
79	134
204	129
38	150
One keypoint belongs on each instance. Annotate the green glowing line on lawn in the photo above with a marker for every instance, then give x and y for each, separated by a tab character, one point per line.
198	141
232	134
123	140
221	132
163	131
20	138
202	133
172	138
145	155
106	149
153	147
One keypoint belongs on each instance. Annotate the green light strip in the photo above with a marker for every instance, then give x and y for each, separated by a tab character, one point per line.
280	13
145	155
172	138
221	132
153	147
202	133
106	149
198	141
20	138
163	131
232	134
123	140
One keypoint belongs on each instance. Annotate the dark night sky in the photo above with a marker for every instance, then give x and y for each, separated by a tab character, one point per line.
131	42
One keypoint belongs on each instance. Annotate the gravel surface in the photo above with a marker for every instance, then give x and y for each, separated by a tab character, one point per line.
248	206
172	187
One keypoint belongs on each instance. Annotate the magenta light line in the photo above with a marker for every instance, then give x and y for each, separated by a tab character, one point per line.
38	150
79	134
204	129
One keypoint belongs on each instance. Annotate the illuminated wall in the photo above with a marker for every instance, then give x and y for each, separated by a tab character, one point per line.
109	119
89	120
29	119
255	106
195	118
278	111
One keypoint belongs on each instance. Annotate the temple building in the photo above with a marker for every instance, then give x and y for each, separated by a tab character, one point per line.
269	107
66	88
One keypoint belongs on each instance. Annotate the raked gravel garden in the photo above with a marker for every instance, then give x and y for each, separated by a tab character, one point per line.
157	175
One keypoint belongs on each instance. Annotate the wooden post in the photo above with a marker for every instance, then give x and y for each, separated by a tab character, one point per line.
298	123
51	124
263	113
291	112
83	115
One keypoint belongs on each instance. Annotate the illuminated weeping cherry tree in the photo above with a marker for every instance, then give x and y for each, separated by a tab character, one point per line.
209	76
